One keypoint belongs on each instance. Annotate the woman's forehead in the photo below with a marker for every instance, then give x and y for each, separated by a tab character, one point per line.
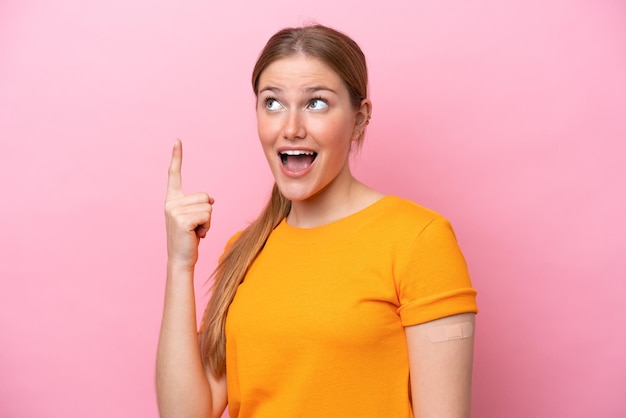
301	72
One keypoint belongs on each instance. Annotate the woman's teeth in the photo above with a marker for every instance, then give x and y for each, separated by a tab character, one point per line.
297	159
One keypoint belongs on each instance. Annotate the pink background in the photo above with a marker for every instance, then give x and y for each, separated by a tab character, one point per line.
507	117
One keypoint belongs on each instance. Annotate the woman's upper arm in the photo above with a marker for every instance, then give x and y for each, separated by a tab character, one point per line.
440	359
219	394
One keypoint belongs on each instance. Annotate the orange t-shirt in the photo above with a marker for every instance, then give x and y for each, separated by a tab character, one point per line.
316	329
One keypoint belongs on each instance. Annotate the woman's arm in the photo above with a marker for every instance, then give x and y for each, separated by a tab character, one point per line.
184	388
440	356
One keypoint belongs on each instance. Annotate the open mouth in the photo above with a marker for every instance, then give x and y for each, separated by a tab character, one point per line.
297	160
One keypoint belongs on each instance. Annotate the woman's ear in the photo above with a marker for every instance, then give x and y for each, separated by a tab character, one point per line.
363	116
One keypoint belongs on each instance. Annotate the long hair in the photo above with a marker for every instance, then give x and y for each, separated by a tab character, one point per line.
343	56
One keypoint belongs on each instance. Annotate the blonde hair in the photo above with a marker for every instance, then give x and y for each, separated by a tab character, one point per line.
345	57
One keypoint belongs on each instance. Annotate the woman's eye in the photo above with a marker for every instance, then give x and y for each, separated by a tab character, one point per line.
272	104
318	104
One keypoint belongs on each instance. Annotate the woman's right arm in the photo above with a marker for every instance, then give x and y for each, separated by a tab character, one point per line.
184	387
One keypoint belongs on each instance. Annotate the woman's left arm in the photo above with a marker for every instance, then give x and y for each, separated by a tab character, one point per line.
440	357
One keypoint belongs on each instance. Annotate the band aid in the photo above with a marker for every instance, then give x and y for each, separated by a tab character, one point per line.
438	334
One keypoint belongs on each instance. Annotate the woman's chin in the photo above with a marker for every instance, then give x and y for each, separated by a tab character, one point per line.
295	191
295	195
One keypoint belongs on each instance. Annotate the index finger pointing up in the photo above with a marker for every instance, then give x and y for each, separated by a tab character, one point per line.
174	178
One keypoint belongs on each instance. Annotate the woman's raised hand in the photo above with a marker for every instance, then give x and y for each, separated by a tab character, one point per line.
187	217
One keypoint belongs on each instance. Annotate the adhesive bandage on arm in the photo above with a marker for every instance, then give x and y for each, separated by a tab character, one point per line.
442	333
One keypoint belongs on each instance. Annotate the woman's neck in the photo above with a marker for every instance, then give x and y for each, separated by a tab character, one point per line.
332	204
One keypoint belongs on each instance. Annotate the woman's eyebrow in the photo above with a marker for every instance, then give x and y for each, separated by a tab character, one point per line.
308	90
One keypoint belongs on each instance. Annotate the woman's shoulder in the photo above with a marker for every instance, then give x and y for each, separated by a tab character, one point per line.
408	211
405	219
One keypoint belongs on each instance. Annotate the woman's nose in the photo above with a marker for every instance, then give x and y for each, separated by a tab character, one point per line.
294	126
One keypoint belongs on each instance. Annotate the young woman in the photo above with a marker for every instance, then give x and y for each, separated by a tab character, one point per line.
338	300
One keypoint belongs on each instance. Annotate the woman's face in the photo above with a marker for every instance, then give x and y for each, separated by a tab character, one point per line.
306	124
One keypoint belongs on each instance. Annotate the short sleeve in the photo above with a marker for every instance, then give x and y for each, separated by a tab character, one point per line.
433	280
